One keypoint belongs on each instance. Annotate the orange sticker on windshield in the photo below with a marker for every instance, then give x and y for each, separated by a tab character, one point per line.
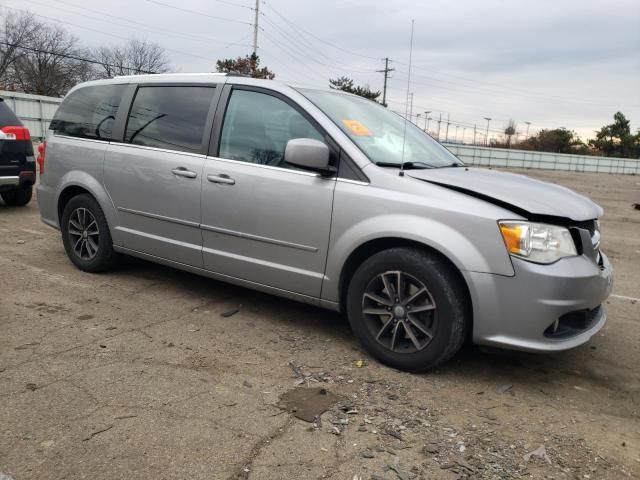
357	128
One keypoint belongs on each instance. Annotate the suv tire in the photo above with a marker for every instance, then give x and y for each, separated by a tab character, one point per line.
86	236
408	308
18	197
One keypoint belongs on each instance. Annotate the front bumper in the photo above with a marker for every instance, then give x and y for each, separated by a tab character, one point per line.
527	311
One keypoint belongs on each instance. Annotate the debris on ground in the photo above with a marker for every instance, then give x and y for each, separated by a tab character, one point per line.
231	312
504	388
360	363
540	452
636	206
97	432
308	403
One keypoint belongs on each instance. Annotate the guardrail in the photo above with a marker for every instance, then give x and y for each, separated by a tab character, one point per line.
35	111
502	157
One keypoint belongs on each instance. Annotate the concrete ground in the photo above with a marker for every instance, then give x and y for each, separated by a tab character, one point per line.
138	374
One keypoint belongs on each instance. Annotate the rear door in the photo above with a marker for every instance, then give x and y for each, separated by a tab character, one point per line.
154	175
263	220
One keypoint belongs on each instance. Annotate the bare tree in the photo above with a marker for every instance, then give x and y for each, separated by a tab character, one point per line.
16	29
48	60
134	58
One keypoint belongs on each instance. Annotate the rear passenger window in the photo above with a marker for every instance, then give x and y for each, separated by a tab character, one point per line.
89	112
169	117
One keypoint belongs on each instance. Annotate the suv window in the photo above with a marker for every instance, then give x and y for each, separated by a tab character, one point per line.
7	117
257	127
169	117
89	112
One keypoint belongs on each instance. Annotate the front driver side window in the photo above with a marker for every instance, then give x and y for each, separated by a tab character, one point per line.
257	127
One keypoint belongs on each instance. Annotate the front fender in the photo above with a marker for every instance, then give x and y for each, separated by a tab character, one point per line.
480	249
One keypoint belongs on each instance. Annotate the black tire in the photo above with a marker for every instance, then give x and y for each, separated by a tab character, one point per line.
89	259
444	311
18	197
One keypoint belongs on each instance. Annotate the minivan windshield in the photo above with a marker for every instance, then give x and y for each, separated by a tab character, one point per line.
379	132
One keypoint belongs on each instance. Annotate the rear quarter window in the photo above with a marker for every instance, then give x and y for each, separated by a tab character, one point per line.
89	112
7	117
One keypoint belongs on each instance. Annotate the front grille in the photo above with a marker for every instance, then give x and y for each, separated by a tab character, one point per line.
573	323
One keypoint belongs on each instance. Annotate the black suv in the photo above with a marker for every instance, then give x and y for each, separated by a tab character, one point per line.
17	164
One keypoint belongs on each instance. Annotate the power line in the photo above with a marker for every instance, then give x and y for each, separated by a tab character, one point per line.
202	14
296	27
150	28
109	34
72	57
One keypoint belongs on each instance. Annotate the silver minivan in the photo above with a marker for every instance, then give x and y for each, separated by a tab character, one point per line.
326	198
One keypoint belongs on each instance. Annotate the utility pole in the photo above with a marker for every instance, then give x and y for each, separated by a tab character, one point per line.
439	122
486	137
418	119
474	134
426	120
446	136
386	72
255	28
526	135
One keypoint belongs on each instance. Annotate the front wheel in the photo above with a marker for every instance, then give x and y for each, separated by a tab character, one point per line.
408	308
18	197
86	236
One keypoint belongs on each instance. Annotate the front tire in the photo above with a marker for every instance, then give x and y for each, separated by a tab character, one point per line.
86	236
408	308
18	197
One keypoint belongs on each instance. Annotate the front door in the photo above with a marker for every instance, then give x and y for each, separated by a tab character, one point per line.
262	220
154	177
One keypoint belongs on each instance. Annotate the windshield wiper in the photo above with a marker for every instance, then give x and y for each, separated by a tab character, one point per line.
406	165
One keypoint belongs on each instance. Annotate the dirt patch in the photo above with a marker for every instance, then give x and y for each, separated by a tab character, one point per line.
308	403
137	374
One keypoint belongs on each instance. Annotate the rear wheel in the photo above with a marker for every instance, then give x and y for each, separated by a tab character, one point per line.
18	197
86	236
408	308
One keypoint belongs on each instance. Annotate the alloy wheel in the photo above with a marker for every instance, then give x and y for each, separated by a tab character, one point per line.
399	311
84	233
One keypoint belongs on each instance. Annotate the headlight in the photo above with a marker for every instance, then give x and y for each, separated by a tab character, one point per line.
537	242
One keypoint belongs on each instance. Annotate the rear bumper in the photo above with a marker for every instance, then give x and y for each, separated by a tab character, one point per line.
23	175
542	308
47	205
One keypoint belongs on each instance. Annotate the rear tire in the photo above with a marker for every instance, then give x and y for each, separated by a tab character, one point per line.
408	308
18	197
86	236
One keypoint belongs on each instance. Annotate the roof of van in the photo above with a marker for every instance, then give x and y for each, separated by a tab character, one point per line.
219	78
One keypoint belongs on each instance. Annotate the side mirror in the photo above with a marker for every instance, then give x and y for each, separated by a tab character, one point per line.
309	154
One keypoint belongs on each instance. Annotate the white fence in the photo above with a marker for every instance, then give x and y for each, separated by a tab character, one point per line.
35	111
501	157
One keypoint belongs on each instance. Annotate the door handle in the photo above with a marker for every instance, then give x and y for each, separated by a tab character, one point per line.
183	172
222	178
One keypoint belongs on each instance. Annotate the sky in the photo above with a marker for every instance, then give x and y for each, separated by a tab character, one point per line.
553	63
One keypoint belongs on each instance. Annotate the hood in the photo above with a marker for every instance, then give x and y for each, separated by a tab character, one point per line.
518	193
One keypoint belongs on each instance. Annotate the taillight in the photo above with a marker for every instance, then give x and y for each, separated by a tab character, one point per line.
15	133
42	148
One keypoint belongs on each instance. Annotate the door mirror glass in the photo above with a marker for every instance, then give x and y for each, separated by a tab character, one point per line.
309	154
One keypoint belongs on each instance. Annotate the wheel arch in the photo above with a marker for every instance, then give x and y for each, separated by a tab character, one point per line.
376	245
78	183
